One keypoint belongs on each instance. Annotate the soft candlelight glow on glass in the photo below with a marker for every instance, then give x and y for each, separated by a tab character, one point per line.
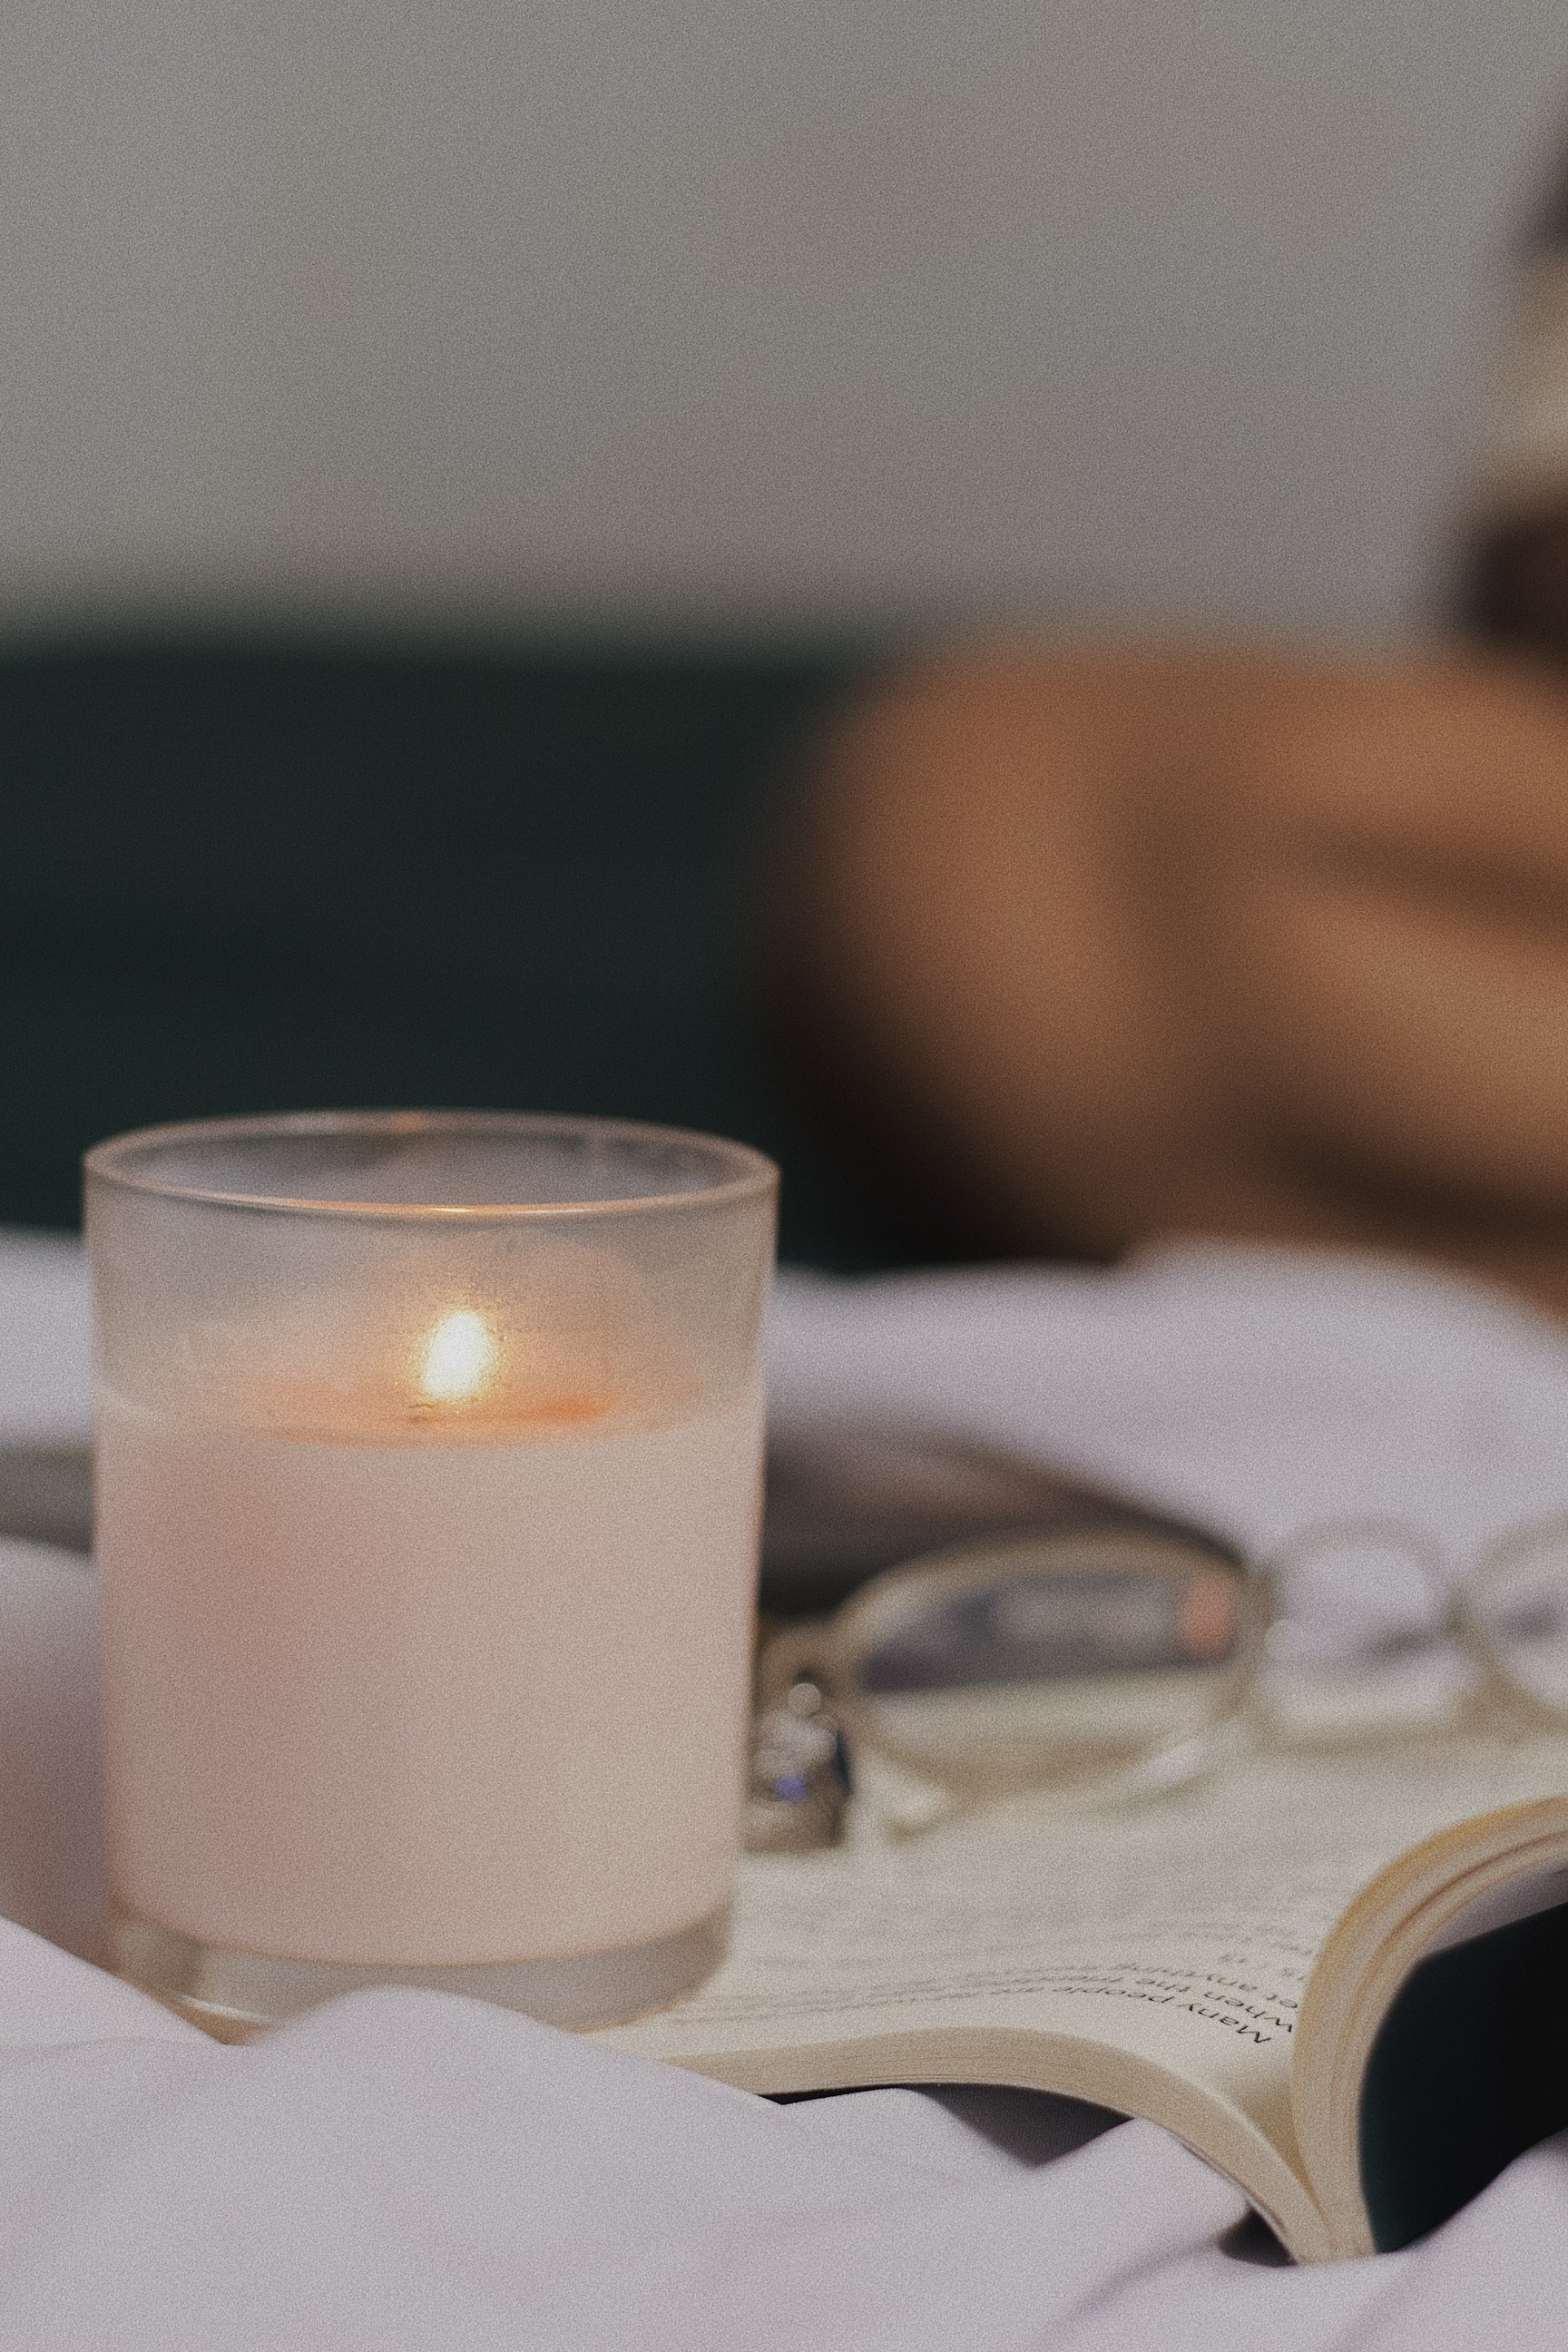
426	1623
458	1360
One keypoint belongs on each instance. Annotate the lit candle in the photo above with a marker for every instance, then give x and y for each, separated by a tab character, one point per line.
427	1622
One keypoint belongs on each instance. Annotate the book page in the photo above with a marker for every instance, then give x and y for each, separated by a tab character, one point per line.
1175	1933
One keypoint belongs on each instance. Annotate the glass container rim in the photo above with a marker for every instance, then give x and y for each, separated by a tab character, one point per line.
753	1175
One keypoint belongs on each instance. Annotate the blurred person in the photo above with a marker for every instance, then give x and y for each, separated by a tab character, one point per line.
1085	943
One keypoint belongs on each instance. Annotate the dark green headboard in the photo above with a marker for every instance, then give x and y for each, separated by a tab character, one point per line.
257	878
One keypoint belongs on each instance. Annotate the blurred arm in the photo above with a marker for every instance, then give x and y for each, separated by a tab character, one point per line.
1113	943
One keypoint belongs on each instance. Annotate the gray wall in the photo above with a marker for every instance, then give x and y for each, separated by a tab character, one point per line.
731	311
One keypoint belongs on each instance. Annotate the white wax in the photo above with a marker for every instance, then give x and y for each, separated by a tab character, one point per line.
417	1703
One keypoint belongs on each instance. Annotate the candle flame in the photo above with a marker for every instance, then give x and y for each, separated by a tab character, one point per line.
458	1359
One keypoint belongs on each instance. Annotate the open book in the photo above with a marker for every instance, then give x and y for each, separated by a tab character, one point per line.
1343	1980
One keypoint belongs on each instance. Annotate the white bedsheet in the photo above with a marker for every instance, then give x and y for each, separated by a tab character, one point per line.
404	2169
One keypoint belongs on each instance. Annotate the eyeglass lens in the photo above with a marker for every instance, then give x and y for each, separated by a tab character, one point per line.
1517	1601
1052	1661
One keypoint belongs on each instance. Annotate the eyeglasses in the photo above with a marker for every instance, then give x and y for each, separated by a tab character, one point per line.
1114	1661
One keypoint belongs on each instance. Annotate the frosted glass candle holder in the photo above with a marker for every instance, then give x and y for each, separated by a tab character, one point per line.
428	1474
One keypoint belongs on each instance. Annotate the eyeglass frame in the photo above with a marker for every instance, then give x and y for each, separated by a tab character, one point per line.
819	1653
